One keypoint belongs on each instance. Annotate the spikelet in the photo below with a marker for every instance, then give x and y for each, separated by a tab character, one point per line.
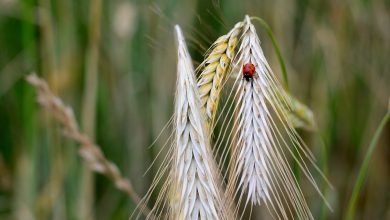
213	74
300	115
263	134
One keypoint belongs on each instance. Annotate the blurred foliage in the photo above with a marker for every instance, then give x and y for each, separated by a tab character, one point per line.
336	54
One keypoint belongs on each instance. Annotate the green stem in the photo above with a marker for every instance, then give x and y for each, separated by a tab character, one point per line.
363	169
276	47
88	117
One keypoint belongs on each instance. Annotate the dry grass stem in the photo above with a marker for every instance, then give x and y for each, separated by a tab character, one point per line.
89	151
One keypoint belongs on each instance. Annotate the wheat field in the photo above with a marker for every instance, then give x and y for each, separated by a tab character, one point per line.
141	109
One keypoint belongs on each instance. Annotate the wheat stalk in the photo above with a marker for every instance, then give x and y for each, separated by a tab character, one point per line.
215	67
259	165
89	151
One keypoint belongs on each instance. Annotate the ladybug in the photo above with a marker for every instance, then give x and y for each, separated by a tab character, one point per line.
248	70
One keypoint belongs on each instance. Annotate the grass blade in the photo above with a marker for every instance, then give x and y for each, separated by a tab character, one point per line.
364	168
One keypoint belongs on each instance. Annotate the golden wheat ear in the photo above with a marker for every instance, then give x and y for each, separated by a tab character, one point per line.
263	138
214	70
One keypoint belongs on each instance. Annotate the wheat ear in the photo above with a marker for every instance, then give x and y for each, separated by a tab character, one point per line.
191	187
195	175
259	163
214	69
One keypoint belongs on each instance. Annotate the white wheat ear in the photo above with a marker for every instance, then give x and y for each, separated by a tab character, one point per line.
263	134
195	175
192	188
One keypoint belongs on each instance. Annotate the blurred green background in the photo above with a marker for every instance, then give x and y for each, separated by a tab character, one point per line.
114	62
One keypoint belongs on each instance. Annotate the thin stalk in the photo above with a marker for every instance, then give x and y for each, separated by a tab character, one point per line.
364	168
276	47
26	148
89	100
